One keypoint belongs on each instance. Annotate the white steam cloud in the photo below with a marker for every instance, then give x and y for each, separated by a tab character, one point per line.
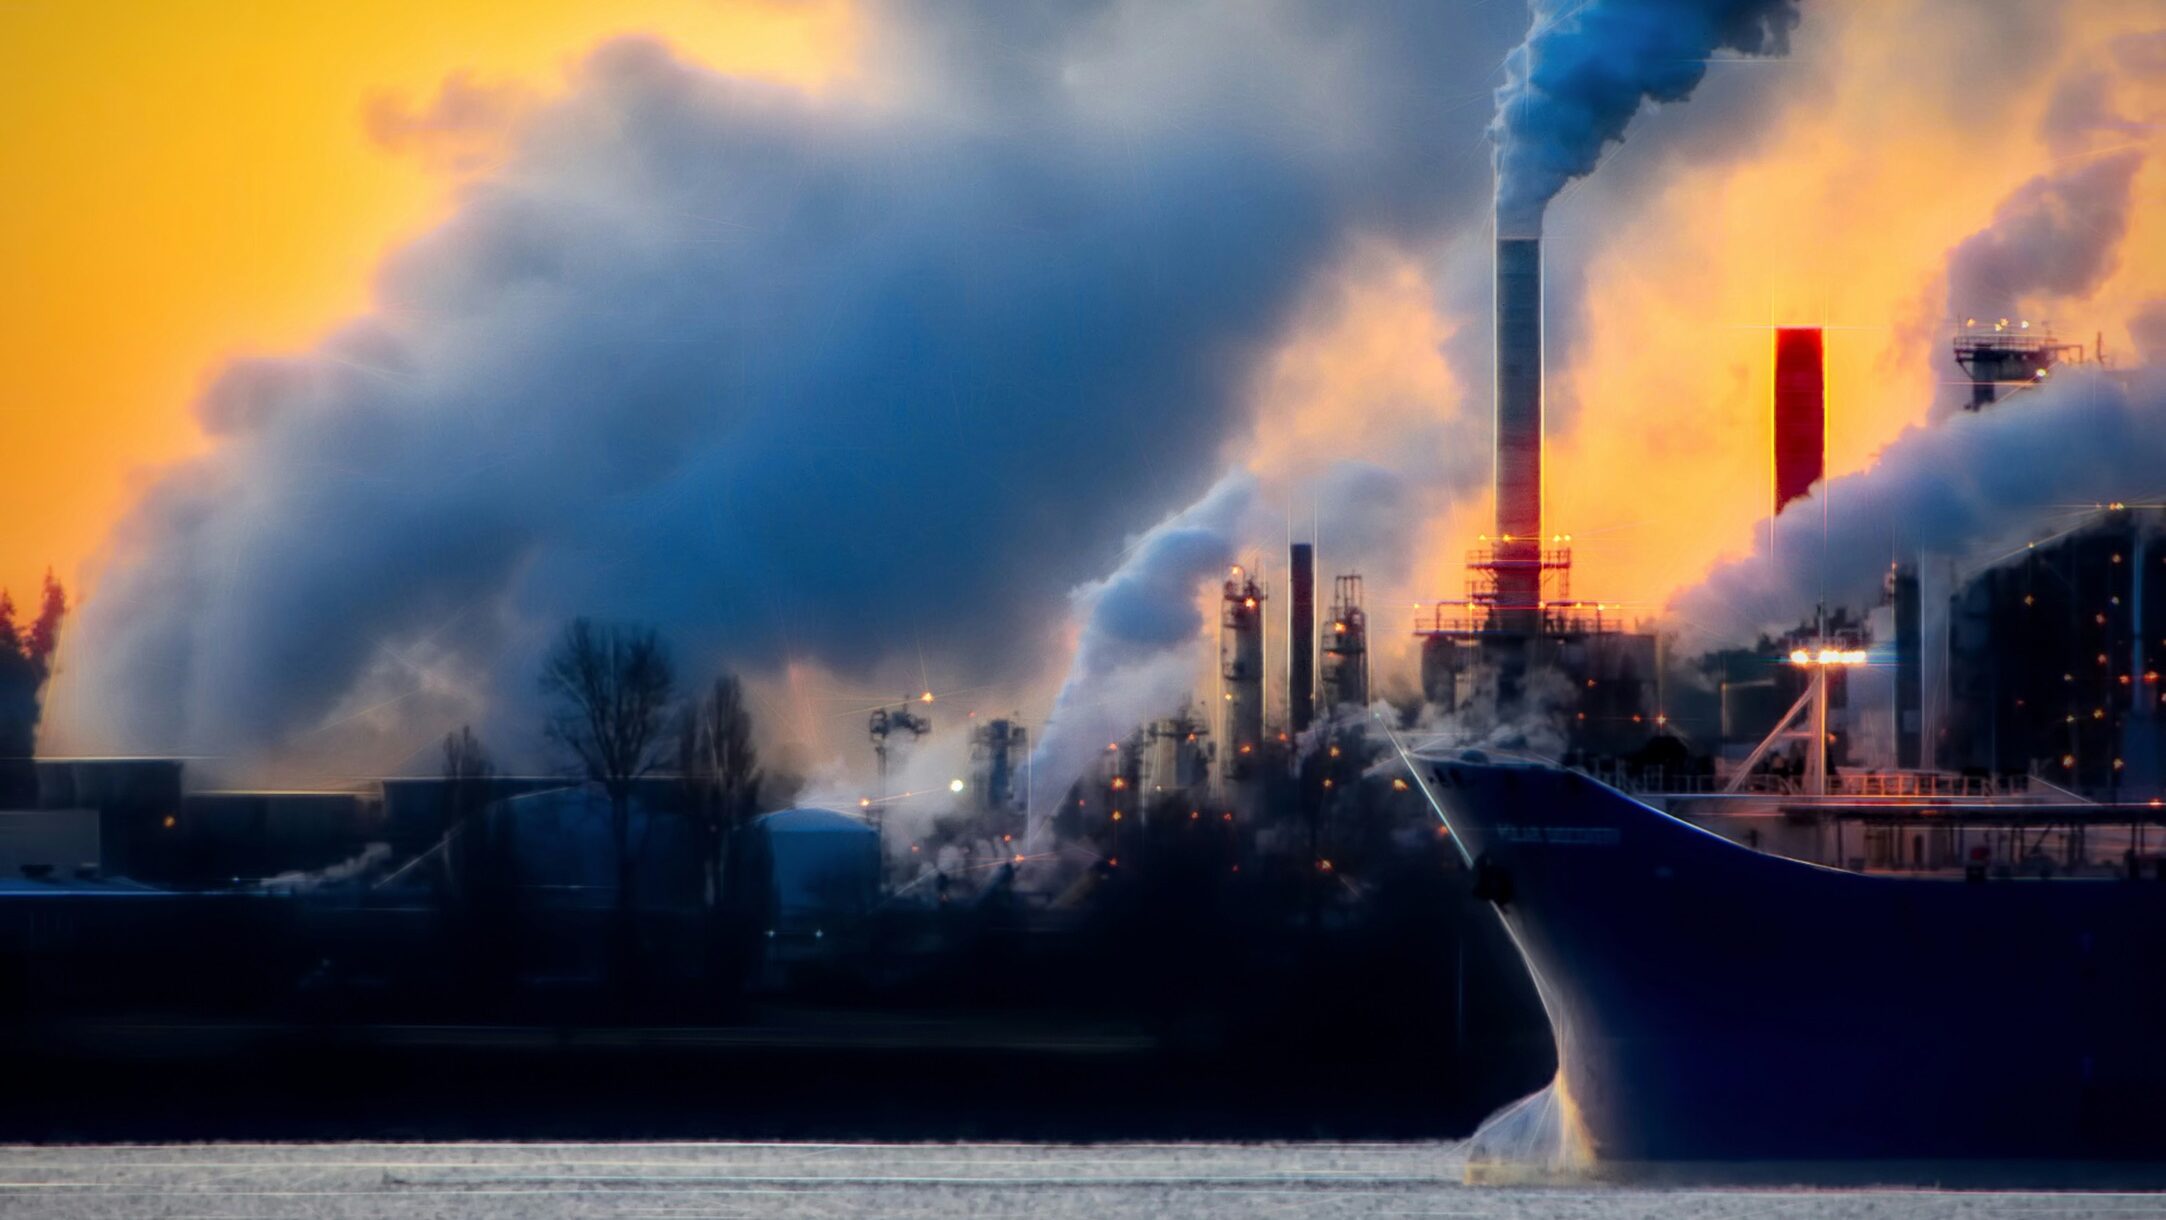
1137	655
843	379
2057	237
1969	487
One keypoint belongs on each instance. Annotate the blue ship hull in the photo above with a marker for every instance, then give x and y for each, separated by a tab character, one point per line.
1715	1003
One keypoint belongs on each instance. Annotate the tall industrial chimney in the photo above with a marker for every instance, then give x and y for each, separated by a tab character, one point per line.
1519	434
1800	412
1301	637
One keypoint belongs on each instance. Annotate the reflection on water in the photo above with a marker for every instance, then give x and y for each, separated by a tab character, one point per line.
649	1181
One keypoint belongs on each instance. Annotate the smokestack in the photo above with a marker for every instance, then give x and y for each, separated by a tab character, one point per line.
1301	637
1909	670
1519	433
1800	413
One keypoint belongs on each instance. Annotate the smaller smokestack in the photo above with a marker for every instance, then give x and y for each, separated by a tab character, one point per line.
1301	637
1800	413
1909	670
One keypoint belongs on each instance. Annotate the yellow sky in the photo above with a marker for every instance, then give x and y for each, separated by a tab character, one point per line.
193	180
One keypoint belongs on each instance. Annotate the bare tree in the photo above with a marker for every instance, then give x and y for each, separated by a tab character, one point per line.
482	902
721	771
467	772
612	686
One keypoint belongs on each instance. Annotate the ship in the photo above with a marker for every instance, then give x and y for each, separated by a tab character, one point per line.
1714	1001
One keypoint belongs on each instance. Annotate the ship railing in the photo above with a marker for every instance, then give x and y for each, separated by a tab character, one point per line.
1906	785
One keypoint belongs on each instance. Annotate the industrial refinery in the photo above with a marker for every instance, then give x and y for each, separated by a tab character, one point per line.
987	608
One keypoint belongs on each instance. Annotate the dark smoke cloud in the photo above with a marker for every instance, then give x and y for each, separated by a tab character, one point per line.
1586	68
835	379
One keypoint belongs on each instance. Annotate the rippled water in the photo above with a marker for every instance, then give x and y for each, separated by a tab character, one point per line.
686	1181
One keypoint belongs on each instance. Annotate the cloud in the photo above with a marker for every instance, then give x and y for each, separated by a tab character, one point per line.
466	128
835	380
2056	237
1137	654
1588	66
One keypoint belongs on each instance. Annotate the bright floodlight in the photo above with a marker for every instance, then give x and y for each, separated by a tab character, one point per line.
955	785
1828	656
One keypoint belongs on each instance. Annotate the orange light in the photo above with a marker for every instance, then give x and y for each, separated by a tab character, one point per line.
1398	785
927	697
171	821
1828	656
1116	815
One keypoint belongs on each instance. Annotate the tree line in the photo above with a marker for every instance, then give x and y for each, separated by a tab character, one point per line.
26	666
616	718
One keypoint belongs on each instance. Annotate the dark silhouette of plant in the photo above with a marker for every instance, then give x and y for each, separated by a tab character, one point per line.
612	685
467	775
720	768
26	665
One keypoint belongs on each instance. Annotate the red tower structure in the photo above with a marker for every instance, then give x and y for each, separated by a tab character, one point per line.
1801	429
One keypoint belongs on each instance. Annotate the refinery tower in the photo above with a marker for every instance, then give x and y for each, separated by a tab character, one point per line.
1518	616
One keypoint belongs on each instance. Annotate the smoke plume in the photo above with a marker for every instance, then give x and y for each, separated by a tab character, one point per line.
1970	487
1585	69
1137	655
840	379
2055	237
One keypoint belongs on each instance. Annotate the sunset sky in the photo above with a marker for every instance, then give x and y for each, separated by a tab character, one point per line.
192	181
857	342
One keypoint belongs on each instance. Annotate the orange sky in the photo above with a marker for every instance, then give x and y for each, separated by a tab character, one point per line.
1844	220
194	180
